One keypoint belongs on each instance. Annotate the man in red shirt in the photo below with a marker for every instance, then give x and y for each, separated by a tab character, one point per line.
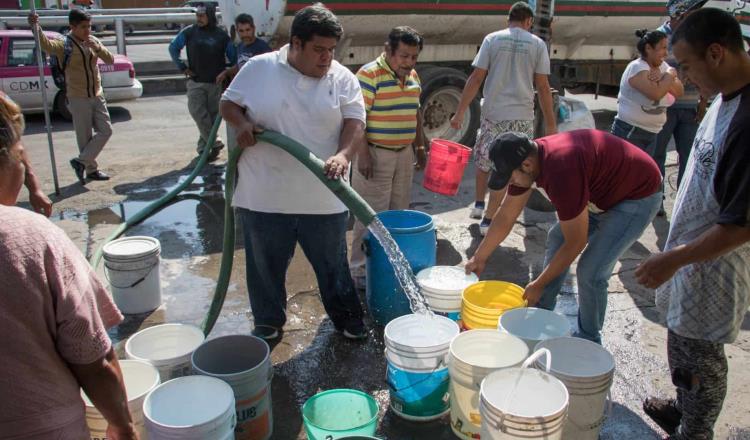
605	190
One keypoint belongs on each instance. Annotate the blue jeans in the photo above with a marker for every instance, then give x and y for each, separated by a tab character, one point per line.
680	124
611	233
645	140
270	240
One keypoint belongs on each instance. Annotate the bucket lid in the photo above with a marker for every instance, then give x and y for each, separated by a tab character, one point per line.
140	377
131	247
445	279
578	358
535	394
420	331
486	348
189	401
534	324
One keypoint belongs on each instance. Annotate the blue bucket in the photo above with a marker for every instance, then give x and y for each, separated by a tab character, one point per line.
414	232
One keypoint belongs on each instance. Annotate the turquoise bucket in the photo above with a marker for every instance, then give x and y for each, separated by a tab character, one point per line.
414	233
339	414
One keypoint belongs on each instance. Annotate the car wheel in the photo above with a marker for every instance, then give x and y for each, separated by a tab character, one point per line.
61	106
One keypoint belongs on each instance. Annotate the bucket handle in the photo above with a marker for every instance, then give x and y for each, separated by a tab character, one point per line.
441	364
137	282
536	355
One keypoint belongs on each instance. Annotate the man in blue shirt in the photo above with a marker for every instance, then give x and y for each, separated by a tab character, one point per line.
208	50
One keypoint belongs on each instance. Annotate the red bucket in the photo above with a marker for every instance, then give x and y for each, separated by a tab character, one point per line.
445	167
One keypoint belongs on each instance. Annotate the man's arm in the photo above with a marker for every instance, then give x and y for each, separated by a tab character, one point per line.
541	81
351	137
502	224
715	242
419	143
471	88
575	234
175	48
55	47
235	116
38	199
102	381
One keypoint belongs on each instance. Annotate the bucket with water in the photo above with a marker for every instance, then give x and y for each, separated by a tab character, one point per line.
523	403
131	265
416	347
534	325
483	303
167	347
190	408
442	287
445	166
140	378
414	233
339	414
586	369
473	355
244	362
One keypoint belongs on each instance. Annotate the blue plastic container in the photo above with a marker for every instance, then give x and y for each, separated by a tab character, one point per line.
414	232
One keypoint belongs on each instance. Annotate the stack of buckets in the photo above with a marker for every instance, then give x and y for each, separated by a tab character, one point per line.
587	370
442	287
445	167
131	265
416	347
484	302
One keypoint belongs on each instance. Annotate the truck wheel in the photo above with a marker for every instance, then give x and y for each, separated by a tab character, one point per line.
61	106
441	93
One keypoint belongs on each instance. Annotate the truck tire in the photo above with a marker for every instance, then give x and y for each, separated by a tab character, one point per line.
441	93
61	106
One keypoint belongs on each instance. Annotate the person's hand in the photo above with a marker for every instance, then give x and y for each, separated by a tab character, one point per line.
654	75
336	166
475	265
93	44
421	158
127	433
364	163
457	121
189	73
41	203
223	76
33	18
532	293
550	128
655	270
246	134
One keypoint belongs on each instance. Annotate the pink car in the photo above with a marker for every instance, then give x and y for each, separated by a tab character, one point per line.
19	74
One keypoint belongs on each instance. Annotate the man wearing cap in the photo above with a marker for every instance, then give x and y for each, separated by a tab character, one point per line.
209	49
605	190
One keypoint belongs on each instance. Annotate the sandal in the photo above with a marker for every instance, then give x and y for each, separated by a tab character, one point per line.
664	412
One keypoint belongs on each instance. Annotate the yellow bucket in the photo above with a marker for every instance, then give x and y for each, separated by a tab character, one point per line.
483	302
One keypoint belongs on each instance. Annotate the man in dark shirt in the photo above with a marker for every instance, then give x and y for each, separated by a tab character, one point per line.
703	275
605	190
208	50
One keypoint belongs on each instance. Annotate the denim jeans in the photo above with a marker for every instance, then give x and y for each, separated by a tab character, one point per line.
645	140
680	124
611	233
270	240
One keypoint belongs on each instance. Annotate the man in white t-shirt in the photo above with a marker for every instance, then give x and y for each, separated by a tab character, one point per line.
513	61
301	92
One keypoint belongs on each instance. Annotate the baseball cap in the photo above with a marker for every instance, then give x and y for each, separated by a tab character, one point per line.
507	154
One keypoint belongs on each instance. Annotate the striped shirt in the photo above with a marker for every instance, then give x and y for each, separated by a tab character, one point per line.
391	105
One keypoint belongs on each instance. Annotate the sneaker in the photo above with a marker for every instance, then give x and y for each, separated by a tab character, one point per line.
477	211
79	168
664	412
484	226
266	332
356	330
97	175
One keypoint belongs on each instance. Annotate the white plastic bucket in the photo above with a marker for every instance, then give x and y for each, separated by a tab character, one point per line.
140	378
533	325
523	403
131	265
244	362
167	347
442	287
473	355
586	369
416	347
190	408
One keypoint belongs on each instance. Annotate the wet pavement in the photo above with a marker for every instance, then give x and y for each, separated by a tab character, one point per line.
313	357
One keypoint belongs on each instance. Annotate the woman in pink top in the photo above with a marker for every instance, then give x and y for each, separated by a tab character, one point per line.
54	313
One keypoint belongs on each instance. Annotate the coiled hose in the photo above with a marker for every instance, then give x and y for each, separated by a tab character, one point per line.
358	207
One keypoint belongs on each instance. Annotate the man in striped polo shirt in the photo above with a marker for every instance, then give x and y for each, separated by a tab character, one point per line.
385	162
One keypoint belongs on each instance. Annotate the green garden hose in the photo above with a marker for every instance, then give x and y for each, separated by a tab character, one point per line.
358	207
